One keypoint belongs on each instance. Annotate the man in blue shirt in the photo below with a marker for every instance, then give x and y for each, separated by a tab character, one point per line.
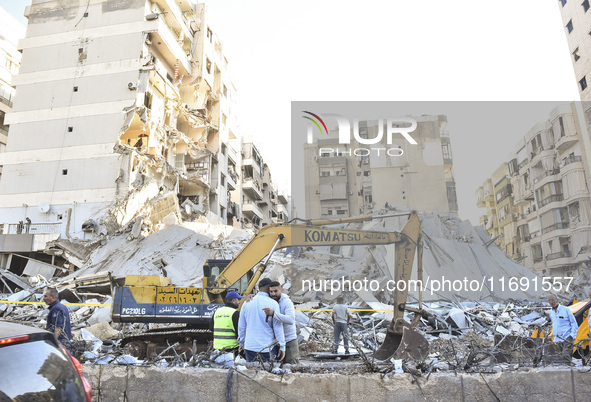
258	333
564	324
58	319
287	317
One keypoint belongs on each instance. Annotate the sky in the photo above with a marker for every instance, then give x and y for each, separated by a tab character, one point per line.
396	50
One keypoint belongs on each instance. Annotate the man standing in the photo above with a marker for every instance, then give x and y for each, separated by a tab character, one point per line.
58	319
287	317
340	319
564	324
225	324
257	334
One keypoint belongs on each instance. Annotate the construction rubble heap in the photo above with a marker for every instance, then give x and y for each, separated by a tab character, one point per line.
487	329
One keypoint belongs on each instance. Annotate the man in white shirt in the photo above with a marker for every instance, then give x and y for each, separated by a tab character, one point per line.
287	316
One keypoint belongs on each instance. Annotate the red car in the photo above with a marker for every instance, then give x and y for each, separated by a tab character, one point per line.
35	366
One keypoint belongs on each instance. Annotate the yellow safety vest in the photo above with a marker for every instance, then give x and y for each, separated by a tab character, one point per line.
224	335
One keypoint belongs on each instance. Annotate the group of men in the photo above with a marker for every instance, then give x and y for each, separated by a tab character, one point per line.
264	329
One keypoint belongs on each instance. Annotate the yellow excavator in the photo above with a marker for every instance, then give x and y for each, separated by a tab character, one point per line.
154	299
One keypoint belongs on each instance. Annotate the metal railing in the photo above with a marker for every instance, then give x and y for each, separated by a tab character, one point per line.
562	254
552	198
556	226
33	228
573	159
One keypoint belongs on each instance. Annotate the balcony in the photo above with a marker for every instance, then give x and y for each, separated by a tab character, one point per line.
550	199
556	226
252	189
545	174
565	142
538	259
572	159
562	254
250	210
34	228
282	198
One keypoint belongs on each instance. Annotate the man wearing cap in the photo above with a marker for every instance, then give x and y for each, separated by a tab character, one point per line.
287	317
258	333
225	324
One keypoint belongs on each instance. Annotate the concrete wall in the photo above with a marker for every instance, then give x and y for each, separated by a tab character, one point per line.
112	383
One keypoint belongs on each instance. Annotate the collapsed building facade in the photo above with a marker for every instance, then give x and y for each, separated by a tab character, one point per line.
124	117
343	182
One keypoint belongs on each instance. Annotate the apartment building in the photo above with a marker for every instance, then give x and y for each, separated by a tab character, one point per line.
10	32
549	181
500	220
576	19
341	183
125	111
260	202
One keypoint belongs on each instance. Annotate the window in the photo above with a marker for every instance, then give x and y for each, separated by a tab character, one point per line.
563	2
569	26
585	5
75	89
561	123
70	129
64	172
208	65
225	91
210	34
583	83
536	251
223	180
446	148
576	56
557	218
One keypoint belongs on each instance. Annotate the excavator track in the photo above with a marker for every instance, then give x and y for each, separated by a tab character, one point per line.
153	343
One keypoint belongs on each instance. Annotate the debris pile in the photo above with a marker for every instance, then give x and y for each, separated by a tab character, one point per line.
467	330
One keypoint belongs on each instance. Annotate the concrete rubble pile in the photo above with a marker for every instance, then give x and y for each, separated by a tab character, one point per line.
466	330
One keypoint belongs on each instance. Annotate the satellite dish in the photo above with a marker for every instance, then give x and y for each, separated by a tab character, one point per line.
44	208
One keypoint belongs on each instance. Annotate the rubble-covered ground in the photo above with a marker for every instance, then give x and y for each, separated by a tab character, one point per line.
488	330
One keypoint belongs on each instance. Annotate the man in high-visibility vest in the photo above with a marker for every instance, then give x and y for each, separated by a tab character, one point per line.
225	324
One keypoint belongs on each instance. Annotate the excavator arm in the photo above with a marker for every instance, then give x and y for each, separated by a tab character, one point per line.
277	236
281	235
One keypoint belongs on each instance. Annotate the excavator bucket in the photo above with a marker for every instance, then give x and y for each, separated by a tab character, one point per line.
411	345
403	342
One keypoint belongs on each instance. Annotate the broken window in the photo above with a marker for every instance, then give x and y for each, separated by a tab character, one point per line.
561	123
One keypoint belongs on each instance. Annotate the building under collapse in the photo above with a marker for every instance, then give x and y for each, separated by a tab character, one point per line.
124	116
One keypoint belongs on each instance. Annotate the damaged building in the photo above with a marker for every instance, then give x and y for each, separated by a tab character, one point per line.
343	182
124	119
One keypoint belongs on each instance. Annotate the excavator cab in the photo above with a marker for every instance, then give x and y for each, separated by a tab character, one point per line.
214	267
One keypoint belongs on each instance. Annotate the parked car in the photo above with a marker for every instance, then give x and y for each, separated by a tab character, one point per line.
35	366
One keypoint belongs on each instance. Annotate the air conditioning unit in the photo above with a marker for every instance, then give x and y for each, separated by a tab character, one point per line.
317	191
